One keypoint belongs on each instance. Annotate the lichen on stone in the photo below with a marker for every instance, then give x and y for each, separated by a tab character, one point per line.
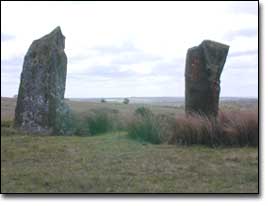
40	101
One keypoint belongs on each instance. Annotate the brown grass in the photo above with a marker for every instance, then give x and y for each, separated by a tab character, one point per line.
240	128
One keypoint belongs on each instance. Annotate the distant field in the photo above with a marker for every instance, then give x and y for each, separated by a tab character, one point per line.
114	163
8	108
158	105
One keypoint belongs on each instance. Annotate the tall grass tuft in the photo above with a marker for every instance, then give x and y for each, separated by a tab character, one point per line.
148	127
240	128
228	129
97	122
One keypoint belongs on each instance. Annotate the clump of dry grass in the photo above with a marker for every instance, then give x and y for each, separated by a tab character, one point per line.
194	129
240	128
237	129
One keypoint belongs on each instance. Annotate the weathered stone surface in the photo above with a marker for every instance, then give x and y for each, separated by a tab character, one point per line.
204	65
40	103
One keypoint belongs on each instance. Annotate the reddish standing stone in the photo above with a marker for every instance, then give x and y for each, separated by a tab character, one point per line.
204	65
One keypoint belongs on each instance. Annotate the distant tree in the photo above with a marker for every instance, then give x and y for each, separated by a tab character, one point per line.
15	96
126	101
103	100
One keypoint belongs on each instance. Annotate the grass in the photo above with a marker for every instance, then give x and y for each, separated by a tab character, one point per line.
148	127
113	163
95	122
235	129
232	129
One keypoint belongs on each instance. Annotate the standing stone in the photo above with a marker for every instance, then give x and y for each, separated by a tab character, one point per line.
204	65
40	104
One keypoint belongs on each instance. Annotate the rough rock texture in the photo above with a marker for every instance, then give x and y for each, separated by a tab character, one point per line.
204	65
40	103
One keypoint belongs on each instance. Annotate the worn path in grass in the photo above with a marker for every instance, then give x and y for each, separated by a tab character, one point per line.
115	163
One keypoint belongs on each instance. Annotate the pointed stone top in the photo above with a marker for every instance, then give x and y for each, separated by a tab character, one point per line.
57	30
55	37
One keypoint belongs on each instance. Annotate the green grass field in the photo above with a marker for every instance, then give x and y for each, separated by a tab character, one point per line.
114	163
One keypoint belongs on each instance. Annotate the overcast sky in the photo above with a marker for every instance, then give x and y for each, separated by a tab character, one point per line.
123	49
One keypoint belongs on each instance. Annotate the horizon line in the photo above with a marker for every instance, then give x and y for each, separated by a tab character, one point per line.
118	97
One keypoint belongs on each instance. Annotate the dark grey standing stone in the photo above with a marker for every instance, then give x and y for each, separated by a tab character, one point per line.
40	104
204	65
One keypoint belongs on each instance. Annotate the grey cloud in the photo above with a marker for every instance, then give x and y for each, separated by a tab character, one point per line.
126	47
172	68
6	37
243	53
250	32
244	61
85	77
243	67
239	64
16	61
13	65
123	54
10	79
111	71
168	68
77	58
135	58
248	7
119	58
9	83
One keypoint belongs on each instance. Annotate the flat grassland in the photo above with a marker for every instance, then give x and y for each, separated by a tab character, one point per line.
114	163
